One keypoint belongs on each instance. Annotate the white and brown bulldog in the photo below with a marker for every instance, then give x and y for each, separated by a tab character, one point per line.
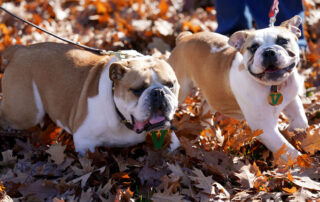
101	100
250	75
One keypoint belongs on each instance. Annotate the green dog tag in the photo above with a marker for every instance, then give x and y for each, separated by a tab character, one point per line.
158	143
275	98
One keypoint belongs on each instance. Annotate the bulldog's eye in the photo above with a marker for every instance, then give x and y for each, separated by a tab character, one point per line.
169	84
253	48
282	41
138	91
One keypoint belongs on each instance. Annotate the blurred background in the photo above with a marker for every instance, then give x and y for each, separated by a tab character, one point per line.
28	171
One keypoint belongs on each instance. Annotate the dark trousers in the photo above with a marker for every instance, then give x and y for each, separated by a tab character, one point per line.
234	15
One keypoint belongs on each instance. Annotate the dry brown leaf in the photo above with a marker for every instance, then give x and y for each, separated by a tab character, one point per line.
291	190
177	171
289	176
162	197
218	163
304	161
306	182
8	158
56	152
311	143
207	184
43	189
203	182
86	195
246	177
277	156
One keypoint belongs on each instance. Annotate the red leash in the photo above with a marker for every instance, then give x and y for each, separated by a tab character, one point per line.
274	10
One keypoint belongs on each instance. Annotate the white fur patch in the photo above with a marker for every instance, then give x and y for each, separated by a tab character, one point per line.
38	103
175	143
102	126
259	114
215	49
237	61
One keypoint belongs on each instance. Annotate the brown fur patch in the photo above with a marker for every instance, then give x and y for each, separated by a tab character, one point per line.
193	61
139	75
64	75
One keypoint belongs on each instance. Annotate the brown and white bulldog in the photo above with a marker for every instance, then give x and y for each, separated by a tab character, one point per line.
101	100
235	76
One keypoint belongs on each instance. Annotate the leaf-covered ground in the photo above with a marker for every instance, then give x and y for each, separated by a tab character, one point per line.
219	161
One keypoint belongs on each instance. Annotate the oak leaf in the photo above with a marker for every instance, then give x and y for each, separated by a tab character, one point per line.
291	190
8	158
311	143
207	184
56	152
306	182
163	197
177	171
246	176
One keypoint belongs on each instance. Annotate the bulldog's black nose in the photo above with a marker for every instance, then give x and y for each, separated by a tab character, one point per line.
269	57
158	99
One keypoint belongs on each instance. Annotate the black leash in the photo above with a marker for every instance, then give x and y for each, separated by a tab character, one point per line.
94	50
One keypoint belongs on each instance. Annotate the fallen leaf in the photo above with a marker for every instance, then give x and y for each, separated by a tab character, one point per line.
207	184
56	152
162	197
245	176
8	158
291	190
43	189
311	143
306	182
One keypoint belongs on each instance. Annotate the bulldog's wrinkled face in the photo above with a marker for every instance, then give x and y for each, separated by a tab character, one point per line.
145	92
271	54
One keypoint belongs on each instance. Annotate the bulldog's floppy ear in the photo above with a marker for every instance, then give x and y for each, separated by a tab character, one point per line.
117	70
237	39
293	25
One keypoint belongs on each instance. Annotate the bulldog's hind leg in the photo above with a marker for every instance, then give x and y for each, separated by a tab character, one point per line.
21	106
186	87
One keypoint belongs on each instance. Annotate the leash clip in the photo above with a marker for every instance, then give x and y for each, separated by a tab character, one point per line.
272	21
274	10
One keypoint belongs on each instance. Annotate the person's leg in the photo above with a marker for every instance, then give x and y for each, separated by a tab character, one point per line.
260	12
287	9
231	16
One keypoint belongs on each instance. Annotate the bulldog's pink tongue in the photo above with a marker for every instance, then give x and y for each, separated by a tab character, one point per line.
139	125
156	119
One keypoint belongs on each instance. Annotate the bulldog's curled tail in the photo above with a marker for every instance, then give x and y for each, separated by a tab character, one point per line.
181	36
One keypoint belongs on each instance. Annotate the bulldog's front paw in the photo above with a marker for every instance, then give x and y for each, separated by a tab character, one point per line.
83	145
297	124
291	153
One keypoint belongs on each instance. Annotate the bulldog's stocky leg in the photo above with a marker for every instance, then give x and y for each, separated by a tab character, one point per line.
295	112
83	141
186	87
271	137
